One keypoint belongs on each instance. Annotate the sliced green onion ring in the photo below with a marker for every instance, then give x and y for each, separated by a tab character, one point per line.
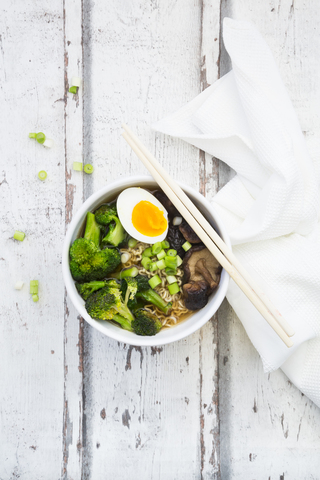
173	288
186	246
132	242
88	168
19	236
42	175
77	166
161	254
154	281
40	137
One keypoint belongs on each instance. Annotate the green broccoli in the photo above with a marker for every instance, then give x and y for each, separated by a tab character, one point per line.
132	288
87	261
150	296
105	303
116	233
86	289
106	215
146	295
145	323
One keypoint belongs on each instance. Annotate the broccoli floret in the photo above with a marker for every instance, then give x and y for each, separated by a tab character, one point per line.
86	289
145	294
104	215
145	323
105	303
130	286
150	296
87	261
143	283
116	233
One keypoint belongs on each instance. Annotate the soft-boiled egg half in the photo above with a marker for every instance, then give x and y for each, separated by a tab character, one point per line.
142	215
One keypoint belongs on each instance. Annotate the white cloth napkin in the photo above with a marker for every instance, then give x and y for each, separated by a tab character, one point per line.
271	207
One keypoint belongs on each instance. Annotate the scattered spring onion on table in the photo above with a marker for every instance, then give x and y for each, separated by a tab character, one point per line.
19	236
42	175
42	139
88	168
18	285
77	166
34	285
75	84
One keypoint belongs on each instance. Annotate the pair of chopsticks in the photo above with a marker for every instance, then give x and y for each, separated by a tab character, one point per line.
211	239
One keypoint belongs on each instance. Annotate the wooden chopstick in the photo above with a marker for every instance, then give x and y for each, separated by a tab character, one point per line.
200	225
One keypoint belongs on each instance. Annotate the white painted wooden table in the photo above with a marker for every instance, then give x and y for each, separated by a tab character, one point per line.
75	404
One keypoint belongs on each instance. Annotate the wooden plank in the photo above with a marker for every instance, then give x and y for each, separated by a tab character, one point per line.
72	447
209	181
31	340
267	425
144	401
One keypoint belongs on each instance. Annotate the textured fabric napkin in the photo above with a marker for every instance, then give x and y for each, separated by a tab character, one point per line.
271	207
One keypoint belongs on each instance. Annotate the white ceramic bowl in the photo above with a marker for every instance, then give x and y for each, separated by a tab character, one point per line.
185	328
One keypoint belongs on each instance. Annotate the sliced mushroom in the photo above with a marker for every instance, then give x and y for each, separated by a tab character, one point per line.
199	266
195	295
188	233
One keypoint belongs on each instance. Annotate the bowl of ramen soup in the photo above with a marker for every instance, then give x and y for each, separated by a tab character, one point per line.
135	270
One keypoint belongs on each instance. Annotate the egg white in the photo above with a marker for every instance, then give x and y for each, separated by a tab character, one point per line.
126	202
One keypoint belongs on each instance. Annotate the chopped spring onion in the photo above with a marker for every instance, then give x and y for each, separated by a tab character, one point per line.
125	257
147	252
173	288
186	246
35	297
32	135
40	137
34	287
129	272
179	260
132	242
146	262
153	266
156	248
171	279
161	264
165	244
177	221
42	175
171	271
75	81
161	254
88	168
77	166
170	262
172	252
48	143
18	285
154	281
19	235
73	89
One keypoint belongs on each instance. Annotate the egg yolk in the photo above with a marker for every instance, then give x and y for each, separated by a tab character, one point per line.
148	219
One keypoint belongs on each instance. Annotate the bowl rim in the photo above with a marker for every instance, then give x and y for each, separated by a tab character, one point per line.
116	334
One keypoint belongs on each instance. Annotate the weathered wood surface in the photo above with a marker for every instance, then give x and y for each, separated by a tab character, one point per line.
75	404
